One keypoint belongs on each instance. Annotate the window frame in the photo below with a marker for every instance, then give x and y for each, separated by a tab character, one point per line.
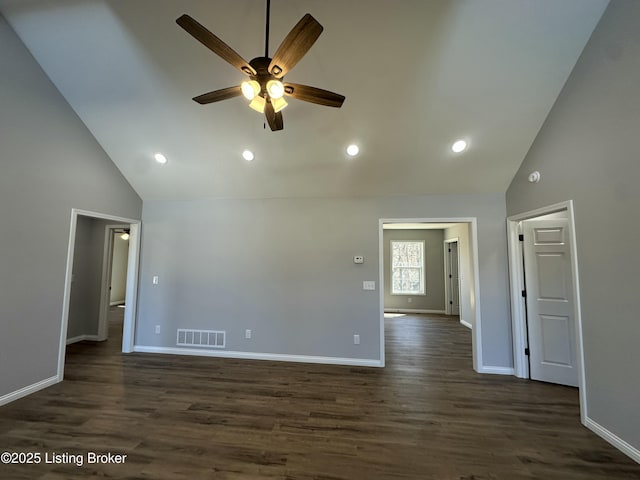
423	268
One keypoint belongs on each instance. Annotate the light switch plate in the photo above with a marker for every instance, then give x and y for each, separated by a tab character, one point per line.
369	285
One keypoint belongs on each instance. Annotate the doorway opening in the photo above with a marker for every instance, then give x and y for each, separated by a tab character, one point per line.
86	301
401	288
545	297
115	268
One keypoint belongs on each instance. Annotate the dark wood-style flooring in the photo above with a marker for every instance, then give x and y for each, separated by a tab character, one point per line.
427	415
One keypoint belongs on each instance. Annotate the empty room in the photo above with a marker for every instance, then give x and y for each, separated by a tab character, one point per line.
319	240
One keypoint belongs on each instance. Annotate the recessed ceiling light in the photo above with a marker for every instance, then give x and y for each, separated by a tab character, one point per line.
248	155
160	158
353	150
459	146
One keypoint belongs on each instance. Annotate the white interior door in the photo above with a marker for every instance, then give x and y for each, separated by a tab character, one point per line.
454	278
549	299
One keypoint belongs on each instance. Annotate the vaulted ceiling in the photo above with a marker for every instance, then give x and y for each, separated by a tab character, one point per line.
416	74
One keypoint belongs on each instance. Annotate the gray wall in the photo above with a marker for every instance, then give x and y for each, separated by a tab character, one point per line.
465	270
588	151
434	273
284	268
50	164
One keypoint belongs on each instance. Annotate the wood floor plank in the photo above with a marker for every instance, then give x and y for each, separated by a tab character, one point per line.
425	416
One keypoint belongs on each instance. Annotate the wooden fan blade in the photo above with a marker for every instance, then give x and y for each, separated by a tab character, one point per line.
274	119
218	95
214	44
314	95
295	45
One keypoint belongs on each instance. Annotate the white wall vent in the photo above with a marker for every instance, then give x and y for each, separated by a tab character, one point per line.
201	338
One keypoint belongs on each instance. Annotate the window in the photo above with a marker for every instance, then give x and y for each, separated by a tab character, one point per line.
407	267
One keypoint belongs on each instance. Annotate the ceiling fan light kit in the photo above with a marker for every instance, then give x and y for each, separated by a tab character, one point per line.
258	103
275	89
250	89
265	89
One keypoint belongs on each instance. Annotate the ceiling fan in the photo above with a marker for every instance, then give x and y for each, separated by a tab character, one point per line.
265	88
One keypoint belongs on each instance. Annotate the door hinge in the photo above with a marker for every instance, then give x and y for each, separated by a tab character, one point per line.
526	351
524	294
521	237
449	250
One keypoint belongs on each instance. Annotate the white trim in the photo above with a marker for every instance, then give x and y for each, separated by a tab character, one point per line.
381	289
516	274
477	324
516	282
28	390
361	362
131	288
413	310
496	370
82	338
613	439
447	284
476	337
466	324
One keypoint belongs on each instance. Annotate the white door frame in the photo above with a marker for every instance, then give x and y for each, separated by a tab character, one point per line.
131	286
447	281
518	307
476	333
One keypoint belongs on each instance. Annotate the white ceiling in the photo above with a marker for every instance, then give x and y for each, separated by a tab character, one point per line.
417	75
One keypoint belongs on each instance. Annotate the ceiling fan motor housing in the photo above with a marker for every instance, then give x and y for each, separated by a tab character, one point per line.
261	66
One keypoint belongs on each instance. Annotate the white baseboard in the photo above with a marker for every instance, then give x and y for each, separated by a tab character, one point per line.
28	390
613	439
117	302
82	338
360	362
496	370
466	324
413	310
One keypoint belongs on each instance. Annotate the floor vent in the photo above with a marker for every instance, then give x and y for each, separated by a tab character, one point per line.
201	338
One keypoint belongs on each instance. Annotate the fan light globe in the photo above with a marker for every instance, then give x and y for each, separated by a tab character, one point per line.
248	155
278	104
250	89
275	88
258	104
124	236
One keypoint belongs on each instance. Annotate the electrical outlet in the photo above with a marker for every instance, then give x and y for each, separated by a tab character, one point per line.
356	339
247	333
157	329
369	285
